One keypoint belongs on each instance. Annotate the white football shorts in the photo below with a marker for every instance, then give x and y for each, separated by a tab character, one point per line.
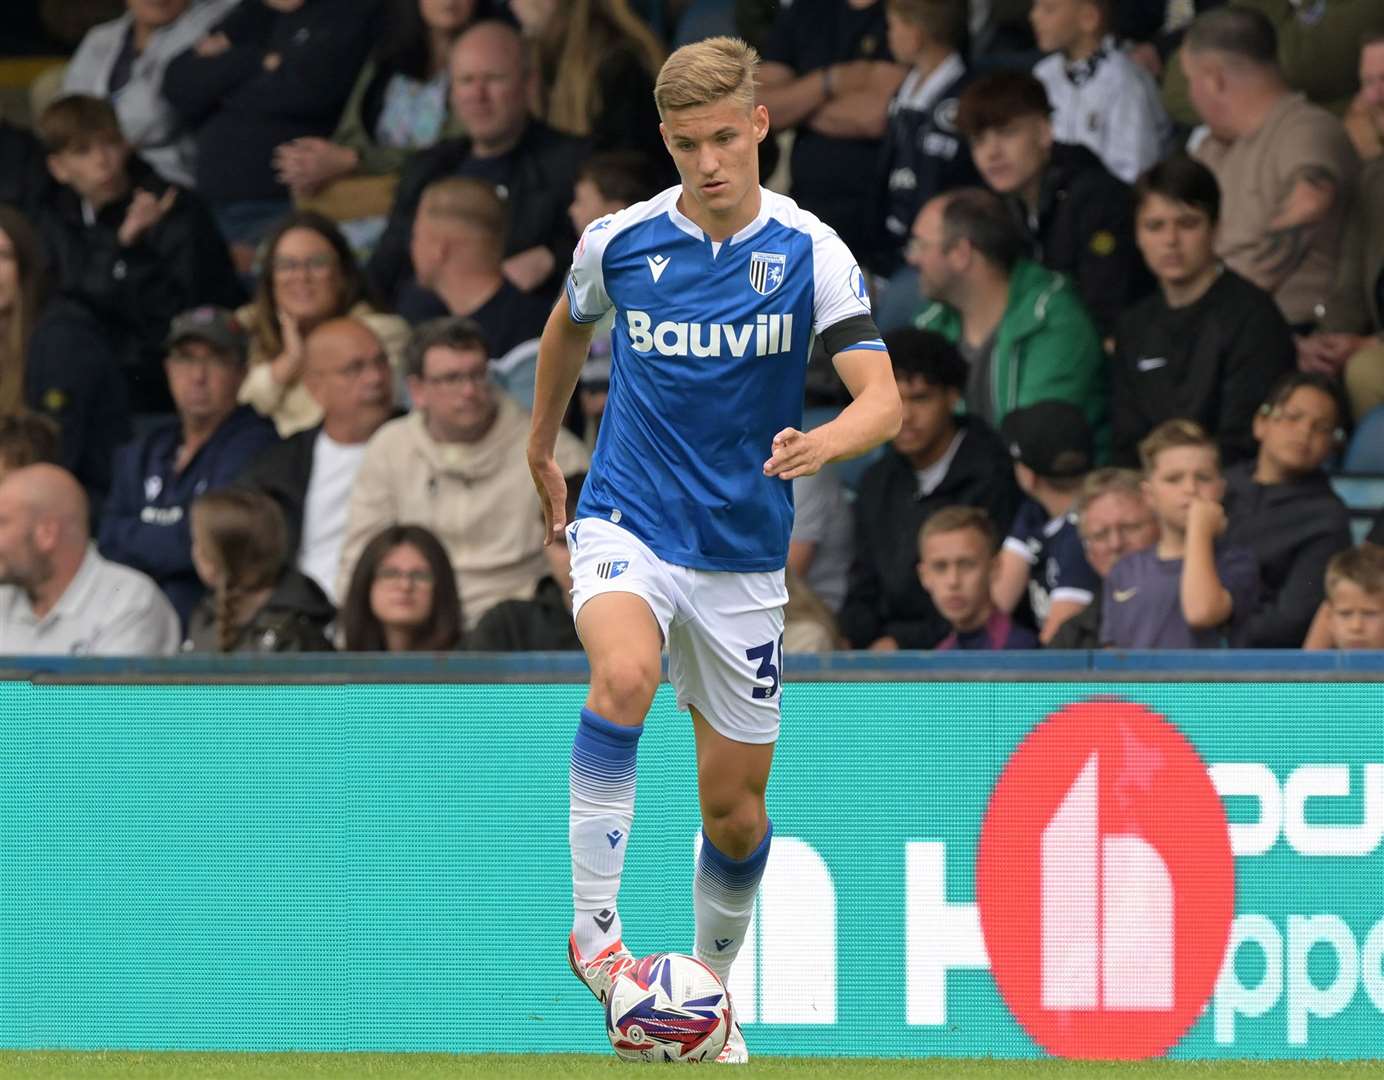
723	630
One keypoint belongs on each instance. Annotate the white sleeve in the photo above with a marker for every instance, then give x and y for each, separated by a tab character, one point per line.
841	289
1137	129
586	291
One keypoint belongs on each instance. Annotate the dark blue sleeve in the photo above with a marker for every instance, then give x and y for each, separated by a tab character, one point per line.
160	550
1073	571
1238	570
1027	530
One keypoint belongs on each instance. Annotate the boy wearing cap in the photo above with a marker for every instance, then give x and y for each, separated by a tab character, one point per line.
1051	445
1189	590
207	445
956	564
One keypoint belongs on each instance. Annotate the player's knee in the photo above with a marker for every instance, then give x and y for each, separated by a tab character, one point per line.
737	829
624	686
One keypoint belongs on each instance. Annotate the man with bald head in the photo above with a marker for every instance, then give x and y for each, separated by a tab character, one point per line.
58	596
530	165
310	474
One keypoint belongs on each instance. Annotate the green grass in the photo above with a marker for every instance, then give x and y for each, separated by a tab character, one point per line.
41	1065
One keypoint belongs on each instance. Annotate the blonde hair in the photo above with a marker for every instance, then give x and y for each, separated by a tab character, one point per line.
578	39
952	519
1362	566
1173	435
706	72
1108	481
244	535
466	199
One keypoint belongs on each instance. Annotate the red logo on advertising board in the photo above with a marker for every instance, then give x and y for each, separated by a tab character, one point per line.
1105	882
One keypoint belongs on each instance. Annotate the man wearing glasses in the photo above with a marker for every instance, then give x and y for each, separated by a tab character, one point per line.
311	474
457	465
1113	521
207	445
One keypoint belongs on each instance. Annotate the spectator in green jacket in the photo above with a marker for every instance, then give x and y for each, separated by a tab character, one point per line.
1021	327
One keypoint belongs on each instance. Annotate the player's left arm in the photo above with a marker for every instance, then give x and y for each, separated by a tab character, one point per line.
872	417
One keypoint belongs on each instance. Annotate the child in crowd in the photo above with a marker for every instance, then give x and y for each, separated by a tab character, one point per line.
1100	97
1355	597
1052	447
956	550
1187	591
133	250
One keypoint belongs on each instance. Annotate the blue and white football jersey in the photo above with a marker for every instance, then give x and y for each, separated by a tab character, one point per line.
708	356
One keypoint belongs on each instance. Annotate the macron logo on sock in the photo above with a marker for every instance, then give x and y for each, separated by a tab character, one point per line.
614	836
604	920
723	943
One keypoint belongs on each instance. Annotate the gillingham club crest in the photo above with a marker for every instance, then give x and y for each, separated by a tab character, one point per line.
766	271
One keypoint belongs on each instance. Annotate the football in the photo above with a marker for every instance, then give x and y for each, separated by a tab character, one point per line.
668	1007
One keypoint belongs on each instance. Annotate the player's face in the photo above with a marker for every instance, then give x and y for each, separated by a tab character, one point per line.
1357	617
1176	239
955	571
1372	75
928	416
716	150
1295	438
401	596
1114	525
455	394
1180	475
1010	157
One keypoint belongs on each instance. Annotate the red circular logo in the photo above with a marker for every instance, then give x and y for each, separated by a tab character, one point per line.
1105	882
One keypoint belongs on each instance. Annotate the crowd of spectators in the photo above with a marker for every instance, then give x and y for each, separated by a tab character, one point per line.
272	273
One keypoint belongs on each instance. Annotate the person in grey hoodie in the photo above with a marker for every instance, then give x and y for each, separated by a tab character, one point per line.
124	60
1281	506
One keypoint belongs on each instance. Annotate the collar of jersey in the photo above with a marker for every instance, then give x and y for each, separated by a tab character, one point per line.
692	229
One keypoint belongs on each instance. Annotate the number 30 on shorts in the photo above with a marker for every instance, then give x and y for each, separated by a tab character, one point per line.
766	654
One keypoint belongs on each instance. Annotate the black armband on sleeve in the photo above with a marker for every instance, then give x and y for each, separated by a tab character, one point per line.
857	330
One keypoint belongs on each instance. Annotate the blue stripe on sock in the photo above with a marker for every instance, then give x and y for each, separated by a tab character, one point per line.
603	756
734	874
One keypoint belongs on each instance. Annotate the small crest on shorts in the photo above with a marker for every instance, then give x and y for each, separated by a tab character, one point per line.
766	271
612	569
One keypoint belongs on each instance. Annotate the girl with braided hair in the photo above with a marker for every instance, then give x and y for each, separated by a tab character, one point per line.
258	602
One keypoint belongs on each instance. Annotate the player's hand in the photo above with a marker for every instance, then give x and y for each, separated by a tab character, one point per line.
552	493
1206	517
796	453
146	210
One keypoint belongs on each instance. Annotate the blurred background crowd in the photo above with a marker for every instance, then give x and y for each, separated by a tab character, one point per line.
272	275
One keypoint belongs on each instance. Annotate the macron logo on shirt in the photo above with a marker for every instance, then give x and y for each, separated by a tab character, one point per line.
770	335
657	264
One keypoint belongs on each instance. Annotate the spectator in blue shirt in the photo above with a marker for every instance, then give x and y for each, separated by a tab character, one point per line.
212	440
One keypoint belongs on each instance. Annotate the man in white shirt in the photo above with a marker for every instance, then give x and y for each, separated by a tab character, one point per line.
1101	99
58	596
346	369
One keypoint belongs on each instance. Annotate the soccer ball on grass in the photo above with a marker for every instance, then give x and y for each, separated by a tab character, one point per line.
668	1007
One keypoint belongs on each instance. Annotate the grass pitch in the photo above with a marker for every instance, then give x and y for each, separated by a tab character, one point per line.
42	1065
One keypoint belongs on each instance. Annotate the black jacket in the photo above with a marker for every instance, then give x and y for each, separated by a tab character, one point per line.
23	173
73	377
1293	530
1082	630
1213	361
884	597
241	111
293	619
146	520
543	624
283	472
181	262
542	173
1085	229
1376	535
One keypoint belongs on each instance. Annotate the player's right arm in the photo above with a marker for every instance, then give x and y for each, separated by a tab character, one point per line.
561	352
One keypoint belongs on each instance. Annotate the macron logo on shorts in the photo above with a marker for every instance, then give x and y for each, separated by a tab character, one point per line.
612	569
